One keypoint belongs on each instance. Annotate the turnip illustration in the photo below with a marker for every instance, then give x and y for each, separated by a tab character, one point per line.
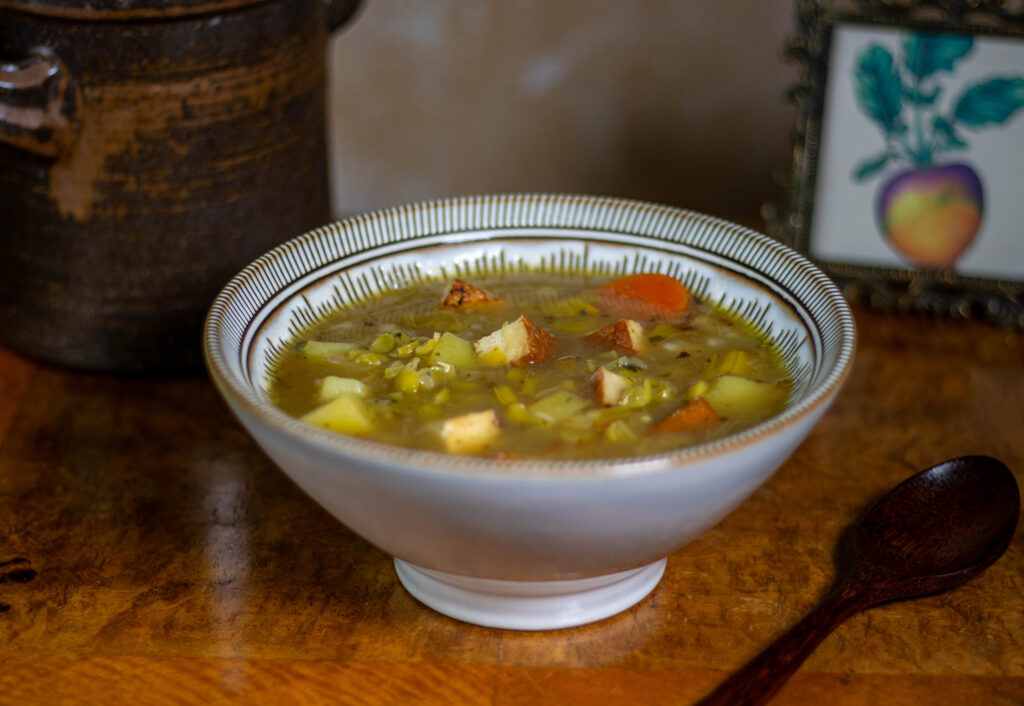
929	211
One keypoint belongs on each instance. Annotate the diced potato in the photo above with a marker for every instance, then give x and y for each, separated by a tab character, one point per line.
581	422
737	397
470	433
332	386
619	432
609	387
557	406
454	351
735	362
322	350
346	413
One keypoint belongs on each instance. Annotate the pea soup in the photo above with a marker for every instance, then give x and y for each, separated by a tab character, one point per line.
534	366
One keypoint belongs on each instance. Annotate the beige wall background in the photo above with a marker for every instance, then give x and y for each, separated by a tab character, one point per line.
675	101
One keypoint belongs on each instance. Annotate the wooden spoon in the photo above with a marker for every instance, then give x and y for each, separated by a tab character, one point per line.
931	533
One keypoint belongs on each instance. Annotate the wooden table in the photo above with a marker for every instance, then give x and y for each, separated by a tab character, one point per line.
151	554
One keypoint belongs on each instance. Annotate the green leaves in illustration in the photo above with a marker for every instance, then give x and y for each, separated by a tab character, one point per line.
947	138
879	89
908	102
926	54
990	103
872	165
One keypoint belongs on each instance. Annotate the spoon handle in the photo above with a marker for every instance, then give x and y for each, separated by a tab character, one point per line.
758	680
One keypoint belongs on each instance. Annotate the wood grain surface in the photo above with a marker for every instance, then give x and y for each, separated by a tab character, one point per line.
151	554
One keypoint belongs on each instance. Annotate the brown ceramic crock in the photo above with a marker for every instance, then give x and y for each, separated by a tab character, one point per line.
149	150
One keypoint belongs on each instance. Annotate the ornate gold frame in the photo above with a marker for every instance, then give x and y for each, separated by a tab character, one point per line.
1000	302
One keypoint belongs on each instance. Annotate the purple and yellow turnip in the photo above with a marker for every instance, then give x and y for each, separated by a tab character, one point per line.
931	214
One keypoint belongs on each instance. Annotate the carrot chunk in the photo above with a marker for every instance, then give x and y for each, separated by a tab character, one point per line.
656	293
695	414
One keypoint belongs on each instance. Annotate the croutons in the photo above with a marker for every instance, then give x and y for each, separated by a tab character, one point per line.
609	387
625	335
470	433
462	295
519	343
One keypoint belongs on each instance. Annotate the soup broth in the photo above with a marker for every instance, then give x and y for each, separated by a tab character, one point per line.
534	366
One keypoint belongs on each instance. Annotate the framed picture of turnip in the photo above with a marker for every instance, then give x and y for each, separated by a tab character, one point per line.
907	184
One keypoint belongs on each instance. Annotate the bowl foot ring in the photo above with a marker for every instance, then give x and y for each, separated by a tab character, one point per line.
529	605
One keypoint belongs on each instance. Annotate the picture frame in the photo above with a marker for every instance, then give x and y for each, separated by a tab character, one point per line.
907	180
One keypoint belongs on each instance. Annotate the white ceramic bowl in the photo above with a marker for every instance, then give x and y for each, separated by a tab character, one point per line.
530	544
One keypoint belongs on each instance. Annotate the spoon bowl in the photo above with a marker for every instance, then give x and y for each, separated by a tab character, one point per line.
971	503
933	532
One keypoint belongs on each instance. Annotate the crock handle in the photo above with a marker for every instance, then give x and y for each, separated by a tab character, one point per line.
339	12
37	104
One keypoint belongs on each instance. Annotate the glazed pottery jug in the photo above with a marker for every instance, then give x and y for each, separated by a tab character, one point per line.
149	149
